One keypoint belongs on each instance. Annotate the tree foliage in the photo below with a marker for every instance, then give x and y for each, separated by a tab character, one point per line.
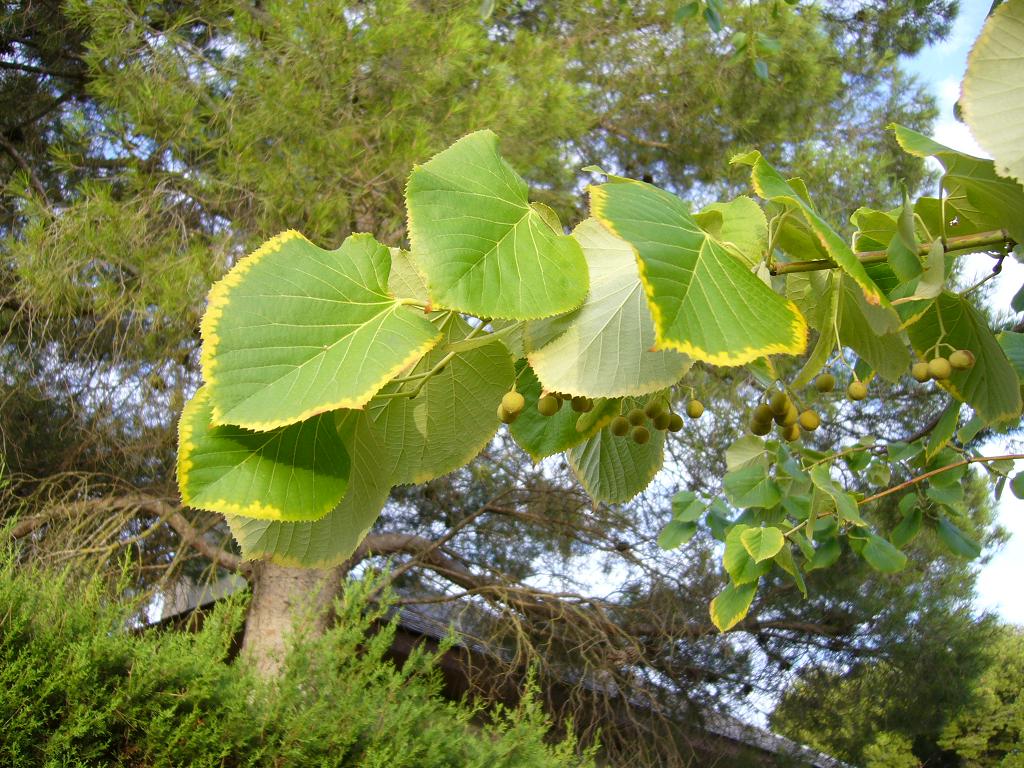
159	144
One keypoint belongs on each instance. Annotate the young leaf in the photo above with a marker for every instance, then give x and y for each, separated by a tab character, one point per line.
956	540
603	349
907	528
294	330
883	556
332	539
705	302
480	246
751	486
675	534
762	543
687	507
741	567
298	472
732	604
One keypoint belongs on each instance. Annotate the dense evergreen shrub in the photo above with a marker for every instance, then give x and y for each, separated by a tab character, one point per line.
79	687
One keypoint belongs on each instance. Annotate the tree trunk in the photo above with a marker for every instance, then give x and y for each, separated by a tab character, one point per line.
285	599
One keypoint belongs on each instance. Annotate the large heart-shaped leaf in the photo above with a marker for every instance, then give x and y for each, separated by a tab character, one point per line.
452	417
298	472
993	93
770	185
480	245
603	349
294	330
332	539
705	301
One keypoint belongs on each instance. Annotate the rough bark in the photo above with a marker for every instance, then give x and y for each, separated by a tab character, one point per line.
285	600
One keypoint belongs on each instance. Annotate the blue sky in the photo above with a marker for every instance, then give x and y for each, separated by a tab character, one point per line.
942	67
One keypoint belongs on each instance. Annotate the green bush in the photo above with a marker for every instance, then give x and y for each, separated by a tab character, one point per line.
77	687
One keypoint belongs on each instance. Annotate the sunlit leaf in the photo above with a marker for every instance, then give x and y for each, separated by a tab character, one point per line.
294	330
480	246
298	472
705	301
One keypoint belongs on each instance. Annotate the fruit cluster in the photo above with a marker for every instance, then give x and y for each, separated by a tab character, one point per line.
941	368
781	409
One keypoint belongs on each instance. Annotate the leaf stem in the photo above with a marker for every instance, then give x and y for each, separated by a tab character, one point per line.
939	471
978	241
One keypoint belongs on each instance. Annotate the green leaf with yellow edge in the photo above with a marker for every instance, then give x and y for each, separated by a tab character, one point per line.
541	435
737	561
479	244
705	301
732	604
615	469
332	539
762	543
298	472
770	185
293	331
993	100
991	386
452	417
604	348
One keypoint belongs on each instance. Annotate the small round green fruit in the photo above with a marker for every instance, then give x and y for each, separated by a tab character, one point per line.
857	390
779	403
961	360
640	435
940	368
695	409
513	402
675	422
825	383
549	405
636	417
619	426
662	420
920	372
809	420
653	409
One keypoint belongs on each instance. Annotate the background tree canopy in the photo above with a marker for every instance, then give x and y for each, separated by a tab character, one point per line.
145	148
